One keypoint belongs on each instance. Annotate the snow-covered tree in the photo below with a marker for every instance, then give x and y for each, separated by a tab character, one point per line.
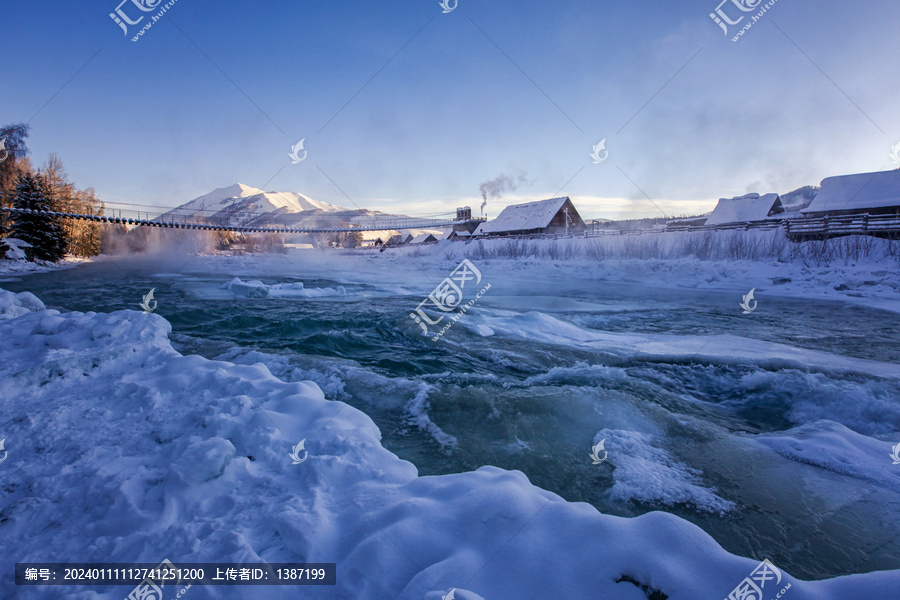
13	162
14	150
42	231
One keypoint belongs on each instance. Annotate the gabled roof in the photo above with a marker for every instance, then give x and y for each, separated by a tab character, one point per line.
423	238
524	217
400	238
751	207
857	192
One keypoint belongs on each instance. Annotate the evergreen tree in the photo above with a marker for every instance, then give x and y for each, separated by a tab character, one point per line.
13	162
354	239
42	231
14	150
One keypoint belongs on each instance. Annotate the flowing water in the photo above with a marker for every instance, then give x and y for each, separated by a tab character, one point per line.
679	428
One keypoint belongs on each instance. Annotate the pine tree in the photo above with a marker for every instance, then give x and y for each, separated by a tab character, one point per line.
354	239
14	150
42	231
13	162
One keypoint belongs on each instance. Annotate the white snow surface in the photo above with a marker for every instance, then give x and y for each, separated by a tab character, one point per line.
858	191
15	248
750	207
123	450
423	237
529	215
239	204
257	289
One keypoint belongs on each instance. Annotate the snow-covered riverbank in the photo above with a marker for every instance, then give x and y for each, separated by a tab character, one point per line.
123	450
864	271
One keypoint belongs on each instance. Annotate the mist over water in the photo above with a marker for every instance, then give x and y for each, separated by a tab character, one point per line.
682	432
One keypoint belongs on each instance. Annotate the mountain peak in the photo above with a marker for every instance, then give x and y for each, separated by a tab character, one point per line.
240	204
239	190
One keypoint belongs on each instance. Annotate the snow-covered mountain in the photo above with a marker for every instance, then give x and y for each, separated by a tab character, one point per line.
240	205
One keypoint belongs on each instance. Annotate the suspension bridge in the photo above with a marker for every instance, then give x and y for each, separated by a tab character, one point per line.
198	222
796	229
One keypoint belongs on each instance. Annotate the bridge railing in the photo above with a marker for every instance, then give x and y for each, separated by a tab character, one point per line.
125	217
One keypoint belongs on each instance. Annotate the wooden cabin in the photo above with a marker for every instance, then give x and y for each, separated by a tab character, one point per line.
556	215
873	193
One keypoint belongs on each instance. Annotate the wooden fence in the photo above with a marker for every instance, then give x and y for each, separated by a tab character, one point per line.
796	230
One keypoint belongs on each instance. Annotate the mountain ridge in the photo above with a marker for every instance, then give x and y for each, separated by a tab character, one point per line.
243	205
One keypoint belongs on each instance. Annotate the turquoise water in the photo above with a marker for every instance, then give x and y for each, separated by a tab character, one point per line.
535	406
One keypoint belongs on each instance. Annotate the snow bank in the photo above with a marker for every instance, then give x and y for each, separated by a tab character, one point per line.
15	247
15	262
854	269
123	450
15	305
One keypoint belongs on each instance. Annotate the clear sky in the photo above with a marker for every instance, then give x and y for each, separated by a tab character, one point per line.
406	109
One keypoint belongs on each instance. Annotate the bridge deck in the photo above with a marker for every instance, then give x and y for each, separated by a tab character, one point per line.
796	229
204	224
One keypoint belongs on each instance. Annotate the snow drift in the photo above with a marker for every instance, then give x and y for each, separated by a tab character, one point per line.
123	450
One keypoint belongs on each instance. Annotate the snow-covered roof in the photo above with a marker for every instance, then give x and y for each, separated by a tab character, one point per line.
857	192
371	236
523	217
750	207
400	238
422	238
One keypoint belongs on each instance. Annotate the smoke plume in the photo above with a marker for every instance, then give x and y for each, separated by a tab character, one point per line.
495	188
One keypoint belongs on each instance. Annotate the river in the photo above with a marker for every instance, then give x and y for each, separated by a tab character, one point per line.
544	366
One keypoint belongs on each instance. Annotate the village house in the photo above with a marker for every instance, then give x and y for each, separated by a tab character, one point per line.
375	239
556	215
873	193
424	238
741	209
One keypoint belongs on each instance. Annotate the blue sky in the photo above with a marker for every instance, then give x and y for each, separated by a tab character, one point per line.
407	109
